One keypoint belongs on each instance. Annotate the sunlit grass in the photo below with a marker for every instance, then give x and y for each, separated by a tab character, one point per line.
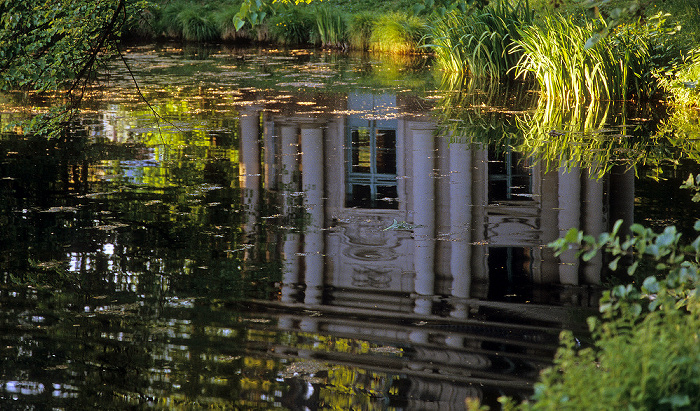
294	25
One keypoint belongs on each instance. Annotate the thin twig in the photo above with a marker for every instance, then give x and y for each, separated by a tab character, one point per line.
138	90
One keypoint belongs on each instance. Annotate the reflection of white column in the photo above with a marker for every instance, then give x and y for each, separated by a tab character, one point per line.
480	183
290	164
290	158
460	224
312	185
569	217
270	143
593	224
290	267
249	168
424	215
622	203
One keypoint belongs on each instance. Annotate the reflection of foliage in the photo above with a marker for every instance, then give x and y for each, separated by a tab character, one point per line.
482	111
49	275
578	136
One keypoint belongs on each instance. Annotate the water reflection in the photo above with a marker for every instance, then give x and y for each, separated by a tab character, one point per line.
280	247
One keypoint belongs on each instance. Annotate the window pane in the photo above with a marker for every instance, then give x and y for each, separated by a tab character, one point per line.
386	151
361	151
359	196
387	197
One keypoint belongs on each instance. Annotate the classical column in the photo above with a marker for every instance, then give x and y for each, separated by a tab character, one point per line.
313	186
423	214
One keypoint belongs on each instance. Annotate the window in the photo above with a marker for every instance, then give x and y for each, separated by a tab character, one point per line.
371	167
510	178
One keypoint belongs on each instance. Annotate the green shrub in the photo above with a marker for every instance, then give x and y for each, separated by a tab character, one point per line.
397	33
646	354
650	364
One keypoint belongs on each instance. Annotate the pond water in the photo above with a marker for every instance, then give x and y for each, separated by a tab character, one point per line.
306	230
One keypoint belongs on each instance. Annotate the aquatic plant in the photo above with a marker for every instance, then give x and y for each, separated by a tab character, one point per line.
480	42
397	33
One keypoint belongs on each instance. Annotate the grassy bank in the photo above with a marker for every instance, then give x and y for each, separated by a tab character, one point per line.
568	50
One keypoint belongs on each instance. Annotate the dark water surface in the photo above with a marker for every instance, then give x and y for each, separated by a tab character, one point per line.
305	230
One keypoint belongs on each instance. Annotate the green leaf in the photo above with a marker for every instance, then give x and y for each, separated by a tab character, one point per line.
636	309
651	285
238	23
613	264
573	236
588	255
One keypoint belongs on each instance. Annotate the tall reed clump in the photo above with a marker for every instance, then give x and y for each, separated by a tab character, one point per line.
332	28
480	42
198	24
189	21
618	67
360	28
293	25
397	33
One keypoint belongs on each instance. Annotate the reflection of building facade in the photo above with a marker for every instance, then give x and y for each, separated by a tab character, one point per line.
470	225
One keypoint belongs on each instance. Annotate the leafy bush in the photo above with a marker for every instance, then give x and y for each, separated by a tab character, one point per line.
681	81
647	351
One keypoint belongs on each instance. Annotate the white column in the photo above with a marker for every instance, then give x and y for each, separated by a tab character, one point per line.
313	186
424	214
